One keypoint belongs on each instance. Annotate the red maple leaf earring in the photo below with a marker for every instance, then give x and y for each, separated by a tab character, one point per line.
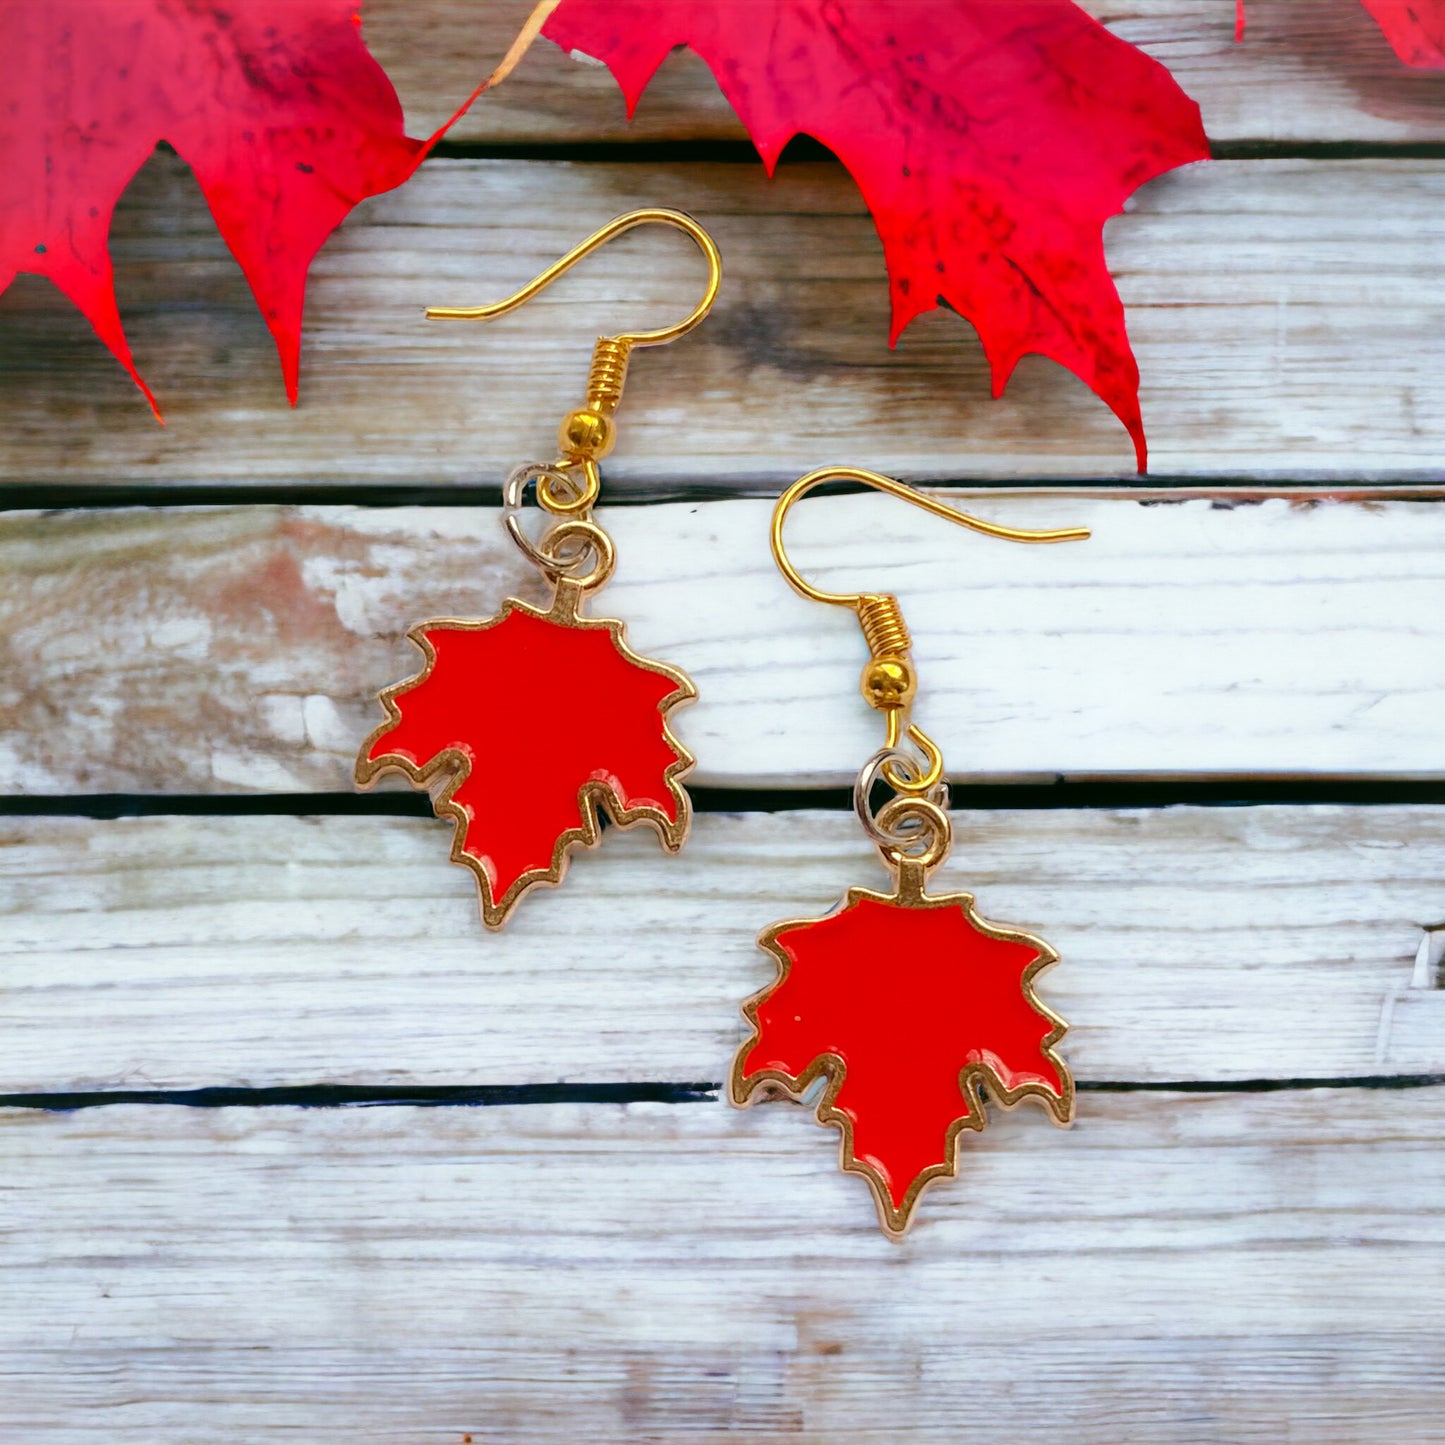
467	726
904	1007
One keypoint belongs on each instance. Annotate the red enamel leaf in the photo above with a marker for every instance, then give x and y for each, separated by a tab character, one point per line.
990	141
527	722
906	1008
276	105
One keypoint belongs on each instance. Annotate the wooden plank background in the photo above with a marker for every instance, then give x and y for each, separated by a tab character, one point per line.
289	1147
179	674
184	952
1280	311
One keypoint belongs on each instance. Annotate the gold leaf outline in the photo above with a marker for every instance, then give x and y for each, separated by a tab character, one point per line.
454	764
743	1090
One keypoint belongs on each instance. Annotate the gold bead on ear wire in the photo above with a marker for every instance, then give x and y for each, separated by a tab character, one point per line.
588	434
907	1005
888	682
452	730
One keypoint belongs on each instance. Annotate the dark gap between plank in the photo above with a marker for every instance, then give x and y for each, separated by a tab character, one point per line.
982	797
804	150
1326	150
334	1096
337	1096
1223	491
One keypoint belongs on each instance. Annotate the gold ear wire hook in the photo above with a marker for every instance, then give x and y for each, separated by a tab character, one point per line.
587	434
647	215
897	489
888	682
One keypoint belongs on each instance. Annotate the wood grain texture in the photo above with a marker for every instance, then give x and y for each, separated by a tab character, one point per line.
1181	1268
1309	71
1197	944
1286	317
233	650
1176	1269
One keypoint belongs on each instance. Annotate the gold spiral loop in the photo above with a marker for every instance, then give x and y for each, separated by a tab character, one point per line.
884	826
884	629
917	830
608	374
589	543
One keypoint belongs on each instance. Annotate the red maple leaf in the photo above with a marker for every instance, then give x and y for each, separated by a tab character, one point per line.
276	105
1414	28
990	141
906	1008
526	723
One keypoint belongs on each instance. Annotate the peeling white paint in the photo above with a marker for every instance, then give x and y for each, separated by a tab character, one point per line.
255	771
326	730
1428	958
20	773
282	715
189	636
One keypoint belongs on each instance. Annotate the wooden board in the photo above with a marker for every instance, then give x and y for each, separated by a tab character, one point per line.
1309	71
1242	1268
1286	316
1198	944
229	650
1242	1239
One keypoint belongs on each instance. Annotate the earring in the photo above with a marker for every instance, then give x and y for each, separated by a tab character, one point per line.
523	796
902	1006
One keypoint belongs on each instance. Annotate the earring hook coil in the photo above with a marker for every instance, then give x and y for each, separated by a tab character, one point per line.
587	434
889	683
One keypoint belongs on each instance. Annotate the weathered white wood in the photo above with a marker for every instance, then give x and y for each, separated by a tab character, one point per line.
1286	316
200	651
1198	944
1307	71
1176	1269
1310	70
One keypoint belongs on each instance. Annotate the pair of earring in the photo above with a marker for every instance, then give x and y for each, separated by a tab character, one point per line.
894	1013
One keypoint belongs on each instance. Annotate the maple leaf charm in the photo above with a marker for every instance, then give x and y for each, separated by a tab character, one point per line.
524	724
908	1005
991	142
